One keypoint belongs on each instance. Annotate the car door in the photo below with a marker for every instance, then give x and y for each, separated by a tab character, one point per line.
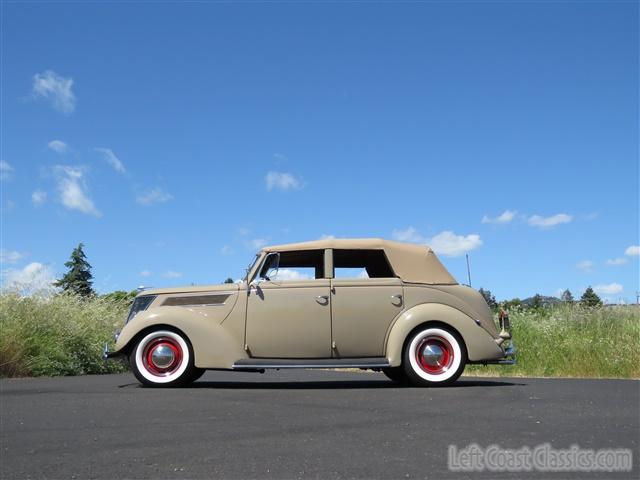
365	299
289	315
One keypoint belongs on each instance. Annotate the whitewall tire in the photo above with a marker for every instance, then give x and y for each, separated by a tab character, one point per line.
163	358
434	356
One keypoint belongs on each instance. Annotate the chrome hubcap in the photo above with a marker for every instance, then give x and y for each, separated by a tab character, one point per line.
432	354
162	356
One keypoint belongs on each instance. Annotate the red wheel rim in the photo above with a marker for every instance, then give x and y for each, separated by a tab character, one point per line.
435	355
162	356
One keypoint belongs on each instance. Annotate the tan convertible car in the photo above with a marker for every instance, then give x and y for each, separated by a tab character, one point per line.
337	303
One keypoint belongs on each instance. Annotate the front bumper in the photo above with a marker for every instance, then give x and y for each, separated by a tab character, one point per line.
106	354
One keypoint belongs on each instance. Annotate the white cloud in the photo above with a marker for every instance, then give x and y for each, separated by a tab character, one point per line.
56	89
504	217
409	234
256	243
146	273
548	222
35	278
111	159
617	261
608	289
632	251
10	256
38	197
171	274
452	245
227	250
6	170
585	265
57	146
244	231
279	158
73	190
326	237
286	274
445	243
153	196
282	181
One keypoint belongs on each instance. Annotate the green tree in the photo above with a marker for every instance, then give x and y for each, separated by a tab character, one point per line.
513	303
536	301
121	296
489	298
567	297
78	280
590	298
229	280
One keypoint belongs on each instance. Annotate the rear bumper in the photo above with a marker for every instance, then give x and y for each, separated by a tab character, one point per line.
509	357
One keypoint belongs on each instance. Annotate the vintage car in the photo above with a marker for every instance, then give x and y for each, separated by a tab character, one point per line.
336	303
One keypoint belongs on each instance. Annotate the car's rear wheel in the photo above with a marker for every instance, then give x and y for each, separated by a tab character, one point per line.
434	356
163	358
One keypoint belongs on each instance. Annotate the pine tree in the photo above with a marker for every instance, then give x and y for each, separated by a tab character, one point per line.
567	297
229	280
78	280
590	298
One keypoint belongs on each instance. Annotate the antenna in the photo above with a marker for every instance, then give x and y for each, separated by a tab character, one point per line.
468	269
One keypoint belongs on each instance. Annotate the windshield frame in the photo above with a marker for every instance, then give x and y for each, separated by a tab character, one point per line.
251	269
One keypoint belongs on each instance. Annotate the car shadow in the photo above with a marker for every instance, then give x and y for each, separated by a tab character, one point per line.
340	385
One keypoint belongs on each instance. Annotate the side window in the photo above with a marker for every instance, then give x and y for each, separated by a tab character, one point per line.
300	265
361	264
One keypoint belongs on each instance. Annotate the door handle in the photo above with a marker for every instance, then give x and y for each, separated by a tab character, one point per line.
396	300
322	299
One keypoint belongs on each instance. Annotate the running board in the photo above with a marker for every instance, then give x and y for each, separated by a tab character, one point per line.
261	363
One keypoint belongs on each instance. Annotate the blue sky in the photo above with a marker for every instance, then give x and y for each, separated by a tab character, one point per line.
174	139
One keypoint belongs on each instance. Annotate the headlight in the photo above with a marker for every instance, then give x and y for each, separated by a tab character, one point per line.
139	304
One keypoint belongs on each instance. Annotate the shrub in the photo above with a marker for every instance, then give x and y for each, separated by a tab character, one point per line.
61	335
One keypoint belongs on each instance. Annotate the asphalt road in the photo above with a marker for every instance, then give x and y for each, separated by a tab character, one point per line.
300	424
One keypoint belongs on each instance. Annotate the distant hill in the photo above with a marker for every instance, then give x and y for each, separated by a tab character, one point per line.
546	301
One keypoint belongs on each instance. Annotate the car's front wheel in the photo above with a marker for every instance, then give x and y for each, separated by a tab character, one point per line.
163	358
434	356
396	374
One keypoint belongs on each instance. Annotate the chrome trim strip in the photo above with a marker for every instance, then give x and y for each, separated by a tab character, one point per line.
337	365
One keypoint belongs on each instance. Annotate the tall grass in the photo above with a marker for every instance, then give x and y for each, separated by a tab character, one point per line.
64	335
573	341
60	335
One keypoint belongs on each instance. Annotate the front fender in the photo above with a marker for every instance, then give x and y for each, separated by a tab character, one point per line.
480	344
213	346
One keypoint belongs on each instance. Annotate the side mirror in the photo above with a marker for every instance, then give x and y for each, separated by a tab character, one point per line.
270	267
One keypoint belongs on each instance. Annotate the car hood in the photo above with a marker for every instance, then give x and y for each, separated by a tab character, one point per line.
226	287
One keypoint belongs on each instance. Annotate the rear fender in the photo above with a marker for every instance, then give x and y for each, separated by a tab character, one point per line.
480	345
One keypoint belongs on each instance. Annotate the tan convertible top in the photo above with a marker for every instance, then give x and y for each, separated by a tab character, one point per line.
412	263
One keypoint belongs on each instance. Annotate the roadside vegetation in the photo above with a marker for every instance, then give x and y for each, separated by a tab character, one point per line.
60	335
572	340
